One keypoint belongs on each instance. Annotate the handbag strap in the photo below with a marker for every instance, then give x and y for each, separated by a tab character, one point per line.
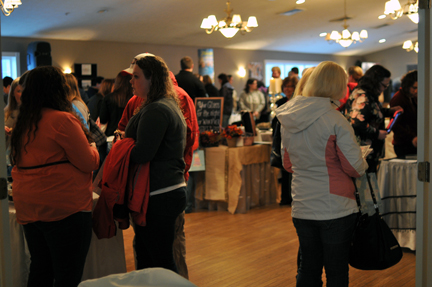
357	195
372	193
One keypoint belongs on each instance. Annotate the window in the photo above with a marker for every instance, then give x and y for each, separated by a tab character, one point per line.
10	64
285	67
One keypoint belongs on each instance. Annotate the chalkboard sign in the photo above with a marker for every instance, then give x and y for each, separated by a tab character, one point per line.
209	113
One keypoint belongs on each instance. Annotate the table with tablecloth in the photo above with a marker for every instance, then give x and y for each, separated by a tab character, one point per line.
397	182
237	178
105	256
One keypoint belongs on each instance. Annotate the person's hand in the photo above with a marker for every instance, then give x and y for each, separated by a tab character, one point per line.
8	131
414	142
382	134
118	135
93	144
396	109
256	114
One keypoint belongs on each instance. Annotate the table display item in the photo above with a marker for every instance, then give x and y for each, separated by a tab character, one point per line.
248	139
231	134
209	139
373	246
231	142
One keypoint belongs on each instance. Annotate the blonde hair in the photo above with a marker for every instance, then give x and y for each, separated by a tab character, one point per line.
72	90
301	84
277	69
327	80
356	72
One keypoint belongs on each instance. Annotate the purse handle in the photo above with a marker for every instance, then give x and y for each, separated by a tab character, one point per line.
357	195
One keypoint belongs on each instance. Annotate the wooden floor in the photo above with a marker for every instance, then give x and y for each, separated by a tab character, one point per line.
258	249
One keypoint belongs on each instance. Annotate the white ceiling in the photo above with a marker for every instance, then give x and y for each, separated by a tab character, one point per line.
177	22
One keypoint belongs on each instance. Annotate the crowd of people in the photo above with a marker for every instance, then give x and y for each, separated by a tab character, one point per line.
324	117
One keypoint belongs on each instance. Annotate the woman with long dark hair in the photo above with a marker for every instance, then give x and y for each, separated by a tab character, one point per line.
366	114
251	99
211	90
113	104
54	156
159	131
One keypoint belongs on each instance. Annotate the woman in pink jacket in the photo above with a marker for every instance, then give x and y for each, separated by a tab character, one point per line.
320	149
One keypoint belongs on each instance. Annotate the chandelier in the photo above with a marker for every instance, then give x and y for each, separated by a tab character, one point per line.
394	9
346	38
8	6
409	46
230	25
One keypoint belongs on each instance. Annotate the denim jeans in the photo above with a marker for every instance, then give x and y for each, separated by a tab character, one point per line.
154	242
324	243
58	250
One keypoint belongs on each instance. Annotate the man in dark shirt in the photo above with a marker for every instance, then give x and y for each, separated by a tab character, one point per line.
95	89
187	81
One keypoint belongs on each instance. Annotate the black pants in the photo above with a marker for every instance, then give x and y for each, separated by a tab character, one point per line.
58	250
154	242
285	181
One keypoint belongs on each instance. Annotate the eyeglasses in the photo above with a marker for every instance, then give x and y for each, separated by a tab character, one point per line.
385	86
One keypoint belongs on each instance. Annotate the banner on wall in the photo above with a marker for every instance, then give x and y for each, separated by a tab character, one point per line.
206	62
255	70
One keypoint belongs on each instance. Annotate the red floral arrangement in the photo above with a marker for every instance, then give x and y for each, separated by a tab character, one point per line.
209	139
232	132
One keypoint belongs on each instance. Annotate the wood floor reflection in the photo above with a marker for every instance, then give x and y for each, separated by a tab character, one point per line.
258	248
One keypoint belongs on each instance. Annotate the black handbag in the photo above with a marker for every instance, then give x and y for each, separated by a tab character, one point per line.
373	246
275	156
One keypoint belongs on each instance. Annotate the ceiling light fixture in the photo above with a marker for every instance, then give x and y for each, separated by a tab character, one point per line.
230	25
409	46
345	39
8	6
394	9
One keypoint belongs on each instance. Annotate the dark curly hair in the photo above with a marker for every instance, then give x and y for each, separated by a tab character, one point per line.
371	80
408	81
45	87
155	70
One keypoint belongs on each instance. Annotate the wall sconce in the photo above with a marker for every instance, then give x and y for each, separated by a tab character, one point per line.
67	70
241	72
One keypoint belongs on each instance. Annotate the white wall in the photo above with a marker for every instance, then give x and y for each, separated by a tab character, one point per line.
112	57
394	59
